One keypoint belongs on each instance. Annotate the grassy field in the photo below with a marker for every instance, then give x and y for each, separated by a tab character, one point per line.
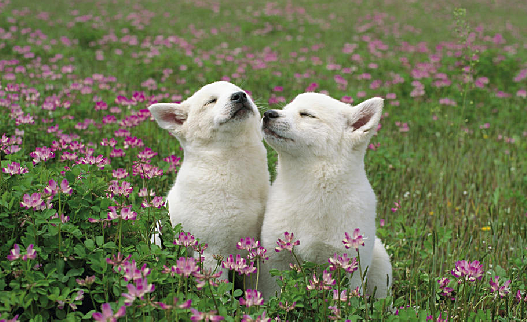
449	164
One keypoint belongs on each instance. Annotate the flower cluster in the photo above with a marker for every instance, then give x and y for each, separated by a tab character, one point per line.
503	290
253	247
325	284
470	271
355	241
239	265
14	168
15	254
252	298
350	265
288	243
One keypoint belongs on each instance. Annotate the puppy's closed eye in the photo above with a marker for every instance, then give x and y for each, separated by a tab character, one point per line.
211	101
306	114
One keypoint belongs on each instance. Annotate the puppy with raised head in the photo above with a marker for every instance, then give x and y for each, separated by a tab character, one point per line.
221	189
321	190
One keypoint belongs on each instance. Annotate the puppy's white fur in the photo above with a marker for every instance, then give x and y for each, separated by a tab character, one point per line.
222	186
321	189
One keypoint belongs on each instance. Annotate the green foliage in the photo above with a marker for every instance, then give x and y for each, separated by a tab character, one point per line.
457	173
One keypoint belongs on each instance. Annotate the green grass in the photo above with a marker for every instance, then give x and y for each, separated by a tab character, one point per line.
461	188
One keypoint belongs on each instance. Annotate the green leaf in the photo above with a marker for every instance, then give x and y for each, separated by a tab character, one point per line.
89	244
80	251
75	272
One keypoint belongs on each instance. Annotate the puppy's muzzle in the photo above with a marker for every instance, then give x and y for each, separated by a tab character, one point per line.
270	114
241	106
239	97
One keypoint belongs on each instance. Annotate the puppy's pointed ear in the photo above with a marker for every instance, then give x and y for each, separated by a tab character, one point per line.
365	116
169	116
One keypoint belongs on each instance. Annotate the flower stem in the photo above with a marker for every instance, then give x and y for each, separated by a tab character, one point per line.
213	298
257	272
120	231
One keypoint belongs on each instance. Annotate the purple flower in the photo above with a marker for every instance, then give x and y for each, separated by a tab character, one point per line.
65	187
87	281
287	243
258	253
14	253
519	297
349	264
185	266
186	239
260	318
313	283
230	262
33	201
325	284
355	242
41	154
443	285
287	307
327	279
239	265
14	168
131	272
51	188
347	99
126	213
184	305
118	260
252	297
343	295
138	290
502	290
467	270
30	253
107	314
146	154
63	219
247	243
210	316
206	277
14	319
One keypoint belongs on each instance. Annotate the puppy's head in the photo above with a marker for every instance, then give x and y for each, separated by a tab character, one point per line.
317	125
218	112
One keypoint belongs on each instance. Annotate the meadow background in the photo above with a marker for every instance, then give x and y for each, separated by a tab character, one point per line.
448	165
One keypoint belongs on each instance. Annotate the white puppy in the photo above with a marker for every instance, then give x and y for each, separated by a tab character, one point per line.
222	186
321	189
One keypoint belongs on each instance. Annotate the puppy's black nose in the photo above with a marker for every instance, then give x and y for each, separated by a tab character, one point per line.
239	97
271	114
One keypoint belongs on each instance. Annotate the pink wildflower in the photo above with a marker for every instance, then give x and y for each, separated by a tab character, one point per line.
355	242
502	290
247	243
33	201
14	168
30	253
467	270
186	239
210	316
186	266
14	253
138	290
287	244
252	298
107	314
348	264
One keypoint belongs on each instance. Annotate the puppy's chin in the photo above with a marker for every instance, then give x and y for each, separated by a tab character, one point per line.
271	135
237	113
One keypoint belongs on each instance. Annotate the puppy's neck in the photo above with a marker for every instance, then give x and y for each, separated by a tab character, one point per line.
321	171
219	155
